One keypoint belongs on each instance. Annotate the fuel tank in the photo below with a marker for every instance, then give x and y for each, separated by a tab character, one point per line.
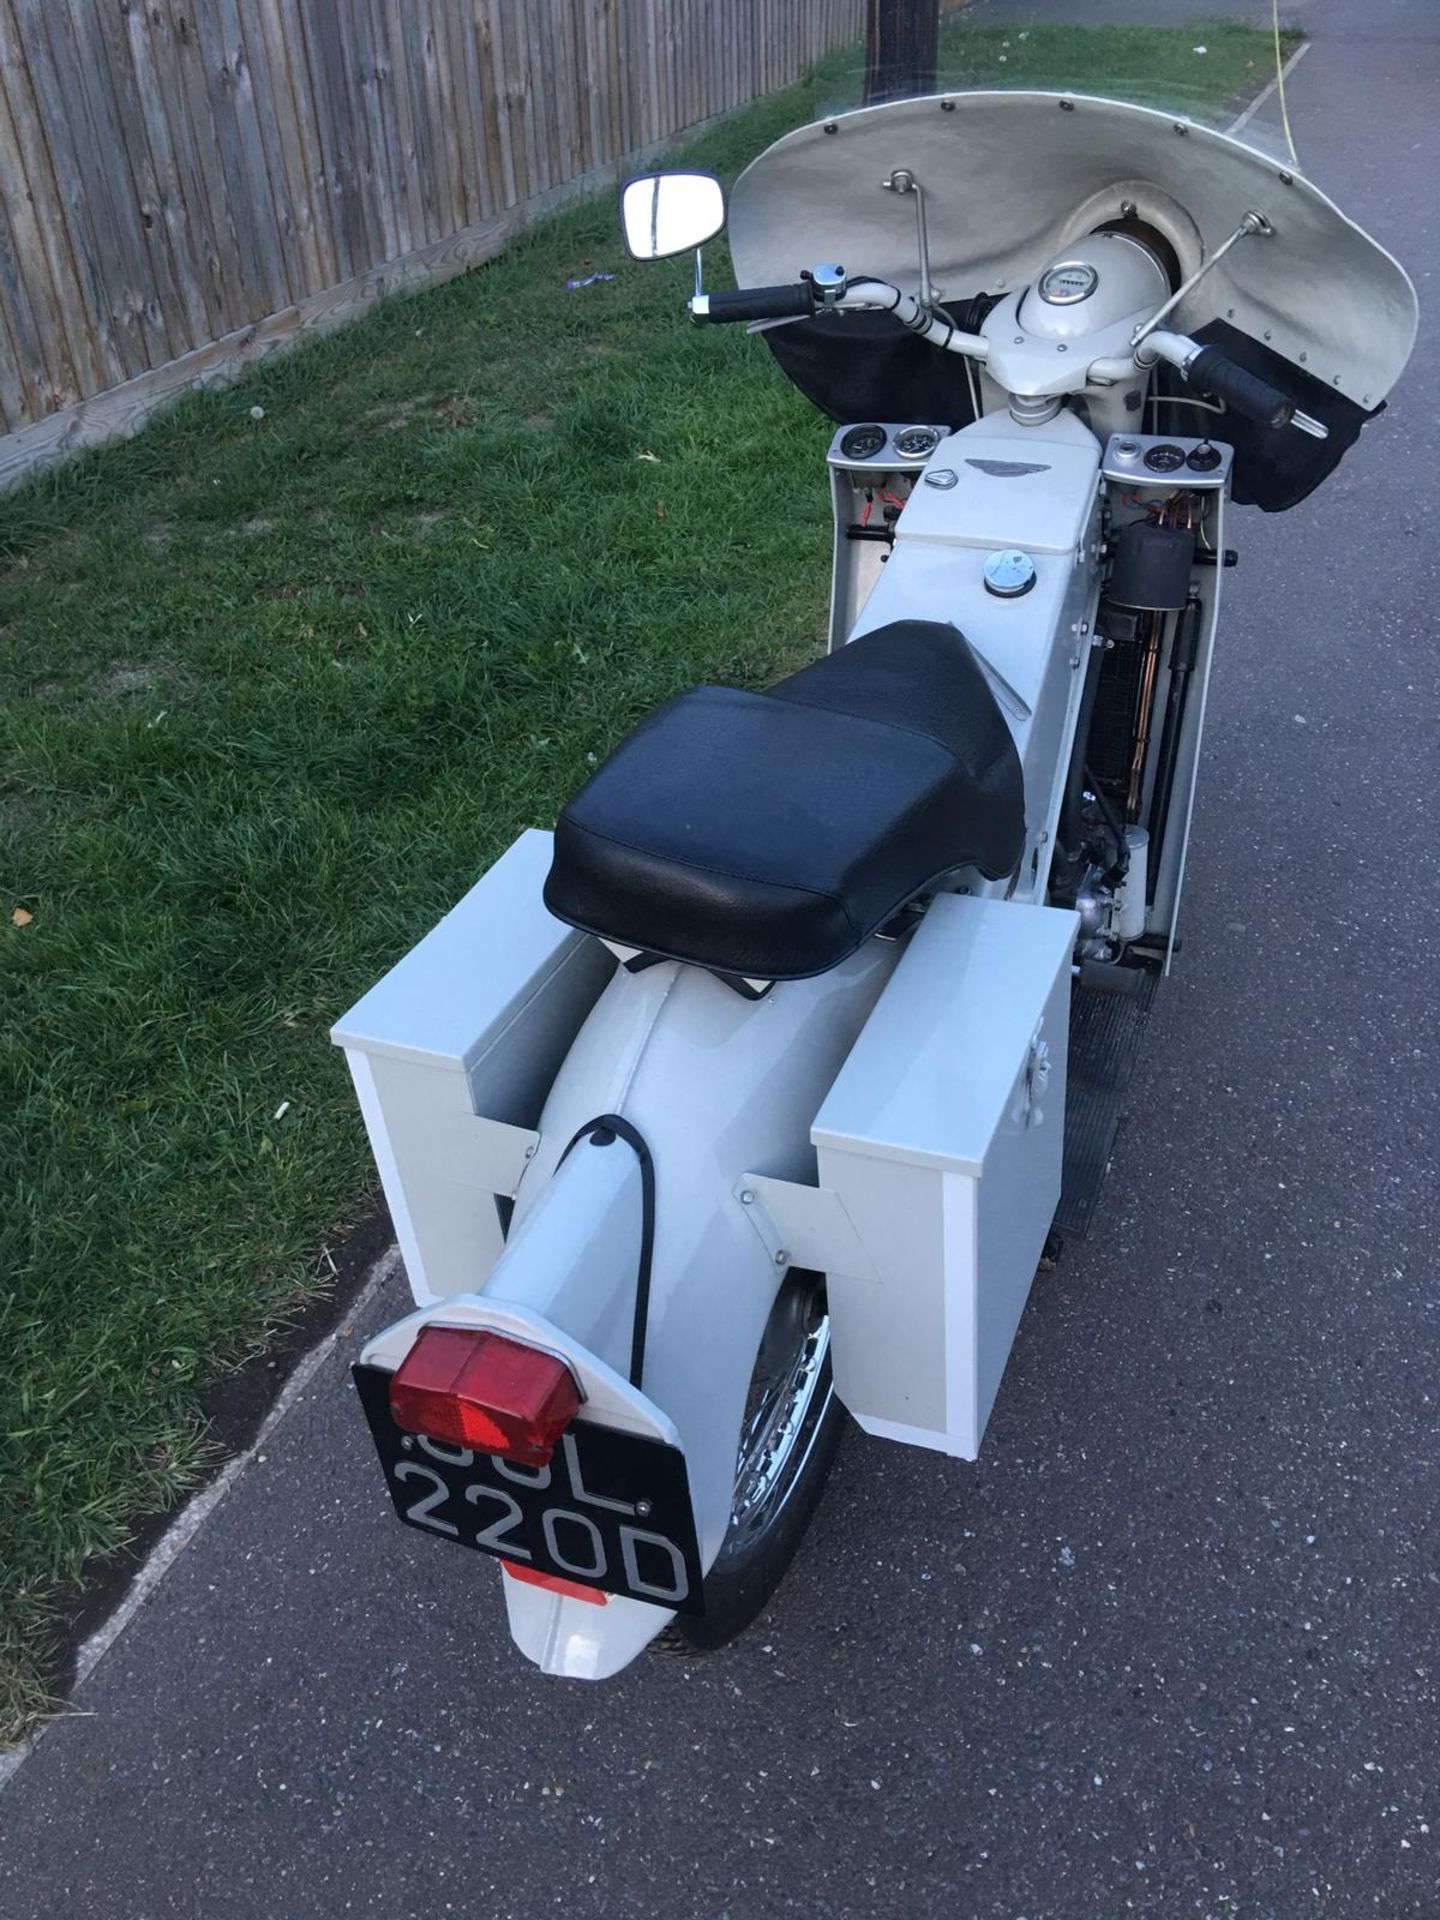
1000	537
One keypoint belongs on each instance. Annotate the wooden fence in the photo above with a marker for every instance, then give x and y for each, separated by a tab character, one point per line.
186	184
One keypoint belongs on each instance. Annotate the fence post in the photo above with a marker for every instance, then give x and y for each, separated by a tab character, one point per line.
901	48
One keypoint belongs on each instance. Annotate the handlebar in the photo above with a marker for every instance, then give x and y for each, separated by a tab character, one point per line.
1212	371
804	299
756	303
1207	369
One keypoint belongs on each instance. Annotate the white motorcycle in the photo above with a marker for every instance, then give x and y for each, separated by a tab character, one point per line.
756	1091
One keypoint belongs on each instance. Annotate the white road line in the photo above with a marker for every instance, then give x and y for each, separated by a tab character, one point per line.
197	1511
1268	93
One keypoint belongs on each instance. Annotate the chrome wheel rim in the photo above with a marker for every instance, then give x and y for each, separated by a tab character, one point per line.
789	1393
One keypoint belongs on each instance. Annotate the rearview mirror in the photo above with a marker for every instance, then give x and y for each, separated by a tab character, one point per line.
665	213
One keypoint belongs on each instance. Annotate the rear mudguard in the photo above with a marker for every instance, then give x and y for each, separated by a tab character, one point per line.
716	1086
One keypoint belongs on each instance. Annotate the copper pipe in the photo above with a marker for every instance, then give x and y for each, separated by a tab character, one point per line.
1142	717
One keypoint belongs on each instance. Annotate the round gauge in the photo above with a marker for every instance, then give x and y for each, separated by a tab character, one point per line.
862	443
1203	459
916	442
1165	458
1067	283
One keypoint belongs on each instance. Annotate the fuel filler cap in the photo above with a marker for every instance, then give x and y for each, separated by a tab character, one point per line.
1009	573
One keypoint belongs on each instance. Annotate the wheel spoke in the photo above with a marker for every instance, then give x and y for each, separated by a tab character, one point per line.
778	1423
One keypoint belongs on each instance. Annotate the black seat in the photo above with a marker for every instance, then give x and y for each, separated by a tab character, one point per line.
766	836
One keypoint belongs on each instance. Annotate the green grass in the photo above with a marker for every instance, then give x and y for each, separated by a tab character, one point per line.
1152	66
274	692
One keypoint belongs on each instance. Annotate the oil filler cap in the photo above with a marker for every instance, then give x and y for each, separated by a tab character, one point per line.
1009	573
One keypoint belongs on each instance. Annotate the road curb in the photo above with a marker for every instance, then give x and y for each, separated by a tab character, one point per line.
192	1517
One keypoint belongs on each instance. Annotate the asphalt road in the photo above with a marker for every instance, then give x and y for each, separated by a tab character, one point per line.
1171	1649
1165	13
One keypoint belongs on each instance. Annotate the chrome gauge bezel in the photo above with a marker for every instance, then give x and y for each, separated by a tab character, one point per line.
891	454
866	428
1052	287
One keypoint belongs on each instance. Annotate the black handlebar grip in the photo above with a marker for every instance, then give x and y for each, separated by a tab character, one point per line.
761	303
1215	372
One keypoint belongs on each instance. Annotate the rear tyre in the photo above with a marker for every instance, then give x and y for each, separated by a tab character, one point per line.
788	1439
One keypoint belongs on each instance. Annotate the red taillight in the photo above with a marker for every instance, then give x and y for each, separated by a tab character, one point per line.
477	1389
552	1583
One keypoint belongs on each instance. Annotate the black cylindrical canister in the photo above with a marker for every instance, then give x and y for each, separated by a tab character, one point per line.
1151	567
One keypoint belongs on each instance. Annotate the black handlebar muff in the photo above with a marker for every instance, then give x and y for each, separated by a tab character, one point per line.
761	303
1212	371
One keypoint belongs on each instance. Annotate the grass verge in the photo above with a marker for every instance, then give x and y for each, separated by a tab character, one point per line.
279	678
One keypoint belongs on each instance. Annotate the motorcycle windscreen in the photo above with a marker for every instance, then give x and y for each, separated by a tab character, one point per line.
1013	178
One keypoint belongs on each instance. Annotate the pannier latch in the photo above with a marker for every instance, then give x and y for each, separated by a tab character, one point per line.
1036	1081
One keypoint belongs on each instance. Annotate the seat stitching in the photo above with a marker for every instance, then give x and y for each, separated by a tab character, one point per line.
861	935
723	873
898	726
992	760
869	720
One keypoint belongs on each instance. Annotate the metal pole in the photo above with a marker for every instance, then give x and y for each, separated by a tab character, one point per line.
901	48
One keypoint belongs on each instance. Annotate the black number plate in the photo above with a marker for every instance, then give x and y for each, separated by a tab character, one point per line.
612	1510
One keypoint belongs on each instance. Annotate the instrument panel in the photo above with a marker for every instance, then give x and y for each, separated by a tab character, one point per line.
1156	460
880	446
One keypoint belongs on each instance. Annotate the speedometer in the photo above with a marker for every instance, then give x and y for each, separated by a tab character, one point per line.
862	443
916	442
1068	282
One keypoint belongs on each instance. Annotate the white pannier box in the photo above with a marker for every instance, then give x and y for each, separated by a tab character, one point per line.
452	1054
941	1141
938	1144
